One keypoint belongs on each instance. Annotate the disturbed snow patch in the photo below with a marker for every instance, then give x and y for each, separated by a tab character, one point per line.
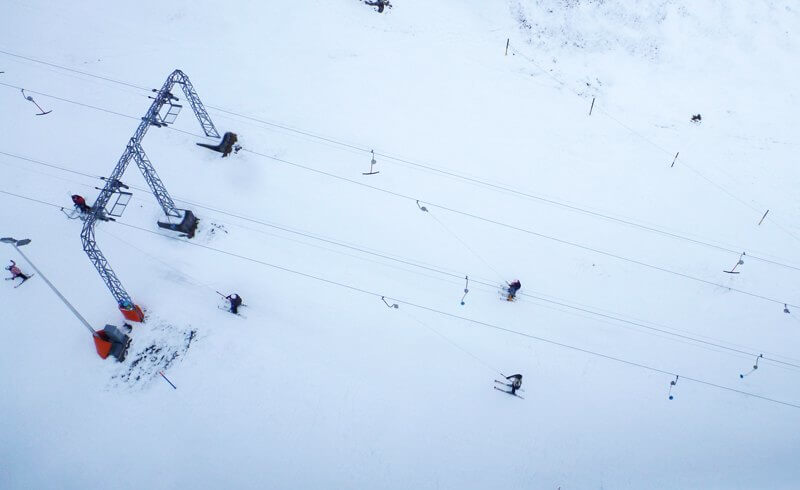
157	345
594	26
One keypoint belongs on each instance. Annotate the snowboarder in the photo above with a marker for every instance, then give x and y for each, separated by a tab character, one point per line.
15	272
80	204
697	118
513	287
236	302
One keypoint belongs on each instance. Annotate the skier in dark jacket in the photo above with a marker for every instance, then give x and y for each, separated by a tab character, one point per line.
236	302
80	203
381	4
16	272
513	287
228	143
515	381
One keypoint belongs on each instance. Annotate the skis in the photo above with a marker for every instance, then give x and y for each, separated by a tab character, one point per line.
74	214
77	214
503	292
505	383
228	309
20	284
23	281
508	392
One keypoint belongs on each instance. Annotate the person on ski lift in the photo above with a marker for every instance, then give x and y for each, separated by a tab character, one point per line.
236	302
80	203
515	381
15	272
513	287
228	143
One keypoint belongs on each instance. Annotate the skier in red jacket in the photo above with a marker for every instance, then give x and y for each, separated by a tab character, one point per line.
16	272
80	203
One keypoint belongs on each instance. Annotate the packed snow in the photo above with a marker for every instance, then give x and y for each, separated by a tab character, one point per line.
478	112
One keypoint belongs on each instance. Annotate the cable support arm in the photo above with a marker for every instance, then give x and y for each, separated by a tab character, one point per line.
194	100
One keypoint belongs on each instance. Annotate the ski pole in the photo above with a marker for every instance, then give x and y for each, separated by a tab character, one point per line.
167	380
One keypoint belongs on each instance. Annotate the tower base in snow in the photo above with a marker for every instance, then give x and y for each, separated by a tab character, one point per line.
132	314
187	226
111	342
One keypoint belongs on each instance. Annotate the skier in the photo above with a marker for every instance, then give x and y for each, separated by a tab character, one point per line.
516	382
513	287
15	273
381	4
80	204
697	118
236	302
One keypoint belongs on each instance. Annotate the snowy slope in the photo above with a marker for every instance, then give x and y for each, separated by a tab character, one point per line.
322	385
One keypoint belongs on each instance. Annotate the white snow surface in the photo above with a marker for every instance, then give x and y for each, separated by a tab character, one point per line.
323	386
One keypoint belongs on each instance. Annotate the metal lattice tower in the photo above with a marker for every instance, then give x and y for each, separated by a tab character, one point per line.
134	151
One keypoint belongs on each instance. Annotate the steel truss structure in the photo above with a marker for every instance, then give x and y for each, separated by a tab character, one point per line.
134	151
